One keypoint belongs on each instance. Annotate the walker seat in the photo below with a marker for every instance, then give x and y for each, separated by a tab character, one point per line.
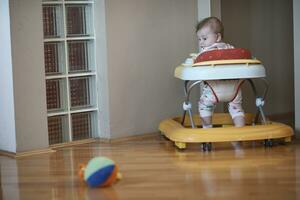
225	54
227	64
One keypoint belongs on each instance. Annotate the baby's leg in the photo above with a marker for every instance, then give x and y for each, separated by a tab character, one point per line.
239	121
236	111
206	122
206	107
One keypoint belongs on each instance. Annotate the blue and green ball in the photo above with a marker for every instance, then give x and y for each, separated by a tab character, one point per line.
100	172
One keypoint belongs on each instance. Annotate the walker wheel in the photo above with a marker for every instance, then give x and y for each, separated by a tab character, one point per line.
268	143
180	145
207	146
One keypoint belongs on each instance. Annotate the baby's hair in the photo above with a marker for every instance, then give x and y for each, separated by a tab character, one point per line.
214	23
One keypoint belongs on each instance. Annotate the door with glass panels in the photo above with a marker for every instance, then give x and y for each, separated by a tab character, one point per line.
69	47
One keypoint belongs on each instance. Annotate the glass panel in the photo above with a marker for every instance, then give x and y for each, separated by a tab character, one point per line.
55	90
58	129
82	125
51	23
78	19
80	56
81	93
54	58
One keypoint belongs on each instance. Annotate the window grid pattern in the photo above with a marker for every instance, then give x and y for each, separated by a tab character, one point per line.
80	92
53	55
70	71
51	58
81	126
78	56
56	129
49	20
53	94
76	20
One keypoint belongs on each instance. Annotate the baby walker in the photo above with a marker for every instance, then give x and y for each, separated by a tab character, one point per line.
220	65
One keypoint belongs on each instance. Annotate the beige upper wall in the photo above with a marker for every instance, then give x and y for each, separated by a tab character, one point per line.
266	28
146	39
28	74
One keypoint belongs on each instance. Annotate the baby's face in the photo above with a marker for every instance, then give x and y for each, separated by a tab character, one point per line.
206	37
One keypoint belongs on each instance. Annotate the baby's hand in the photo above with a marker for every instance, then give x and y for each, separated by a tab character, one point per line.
194	55
189	61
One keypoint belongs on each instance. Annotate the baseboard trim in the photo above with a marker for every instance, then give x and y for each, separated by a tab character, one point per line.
26	153
52	148
133	137
281	116
68	144
34	152
7	153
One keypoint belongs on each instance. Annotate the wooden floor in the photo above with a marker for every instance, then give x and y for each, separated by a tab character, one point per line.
153	168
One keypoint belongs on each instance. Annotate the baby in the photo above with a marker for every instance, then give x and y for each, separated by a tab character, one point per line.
210	35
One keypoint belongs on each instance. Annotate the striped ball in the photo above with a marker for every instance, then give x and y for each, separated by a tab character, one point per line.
100	171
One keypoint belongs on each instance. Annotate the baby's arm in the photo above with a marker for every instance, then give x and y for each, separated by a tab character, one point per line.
222	45
190	60
216	46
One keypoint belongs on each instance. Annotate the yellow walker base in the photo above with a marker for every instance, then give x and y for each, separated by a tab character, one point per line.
223	130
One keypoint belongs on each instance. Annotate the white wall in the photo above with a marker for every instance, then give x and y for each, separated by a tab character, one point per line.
266	28
7	113
204	8
101	61
207	8
146	40
297	64
29	74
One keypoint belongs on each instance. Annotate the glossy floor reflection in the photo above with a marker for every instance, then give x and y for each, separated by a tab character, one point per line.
153	168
